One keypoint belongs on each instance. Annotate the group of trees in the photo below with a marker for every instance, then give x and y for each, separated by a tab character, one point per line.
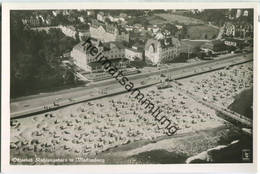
35	58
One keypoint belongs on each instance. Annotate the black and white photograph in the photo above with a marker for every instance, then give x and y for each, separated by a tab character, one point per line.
92	86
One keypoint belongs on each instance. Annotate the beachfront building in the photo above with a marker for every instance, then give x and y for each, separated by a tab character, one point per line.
80	55
80	58
161	50
112	50
108	32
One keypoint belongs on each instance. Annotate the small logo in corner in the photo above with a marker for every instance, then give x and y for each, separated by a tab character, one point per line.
246	154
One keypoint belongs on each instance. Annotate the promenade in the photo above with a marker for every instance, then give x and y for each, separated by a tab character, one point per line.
49	101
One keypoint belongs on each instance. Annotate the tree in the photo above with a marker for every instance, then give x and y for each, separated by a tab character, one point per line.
107	20
34	57
171	28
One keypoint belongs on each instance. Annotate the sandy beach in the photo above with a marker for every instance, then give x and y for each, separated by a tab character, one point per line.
92	127
220	87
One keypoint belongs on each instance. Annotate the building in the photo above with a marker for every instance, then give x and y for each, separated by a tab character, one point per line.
129	28
112	18
239	12
69	31
90	13
238	30
101	17
159	36
233	43
83	34
138	27
81	19
123	15
153	28
112	50
116	18
80	58
161	50
32	21
66	12
108	32
229	29
54	13
245	13
48	22
133	53
179	27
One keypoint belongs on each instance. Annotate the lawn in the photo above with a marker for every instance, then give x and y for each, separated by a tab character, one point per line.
153	20
197	29
156	20
202	32
173	18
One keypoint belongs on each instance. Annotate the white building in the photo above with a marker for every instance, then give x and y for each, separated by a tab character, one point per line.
83	59
54	13
80	58
81	19
101	17
238	14
161	50
112	18
69	31
245	13
90	13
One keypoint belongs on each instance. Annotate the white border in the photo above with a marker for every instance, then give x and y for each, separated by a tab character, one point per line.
167	168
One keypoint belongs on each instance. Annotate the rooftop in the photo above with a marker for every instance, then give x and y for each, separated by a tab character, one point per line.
111	28
106	46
